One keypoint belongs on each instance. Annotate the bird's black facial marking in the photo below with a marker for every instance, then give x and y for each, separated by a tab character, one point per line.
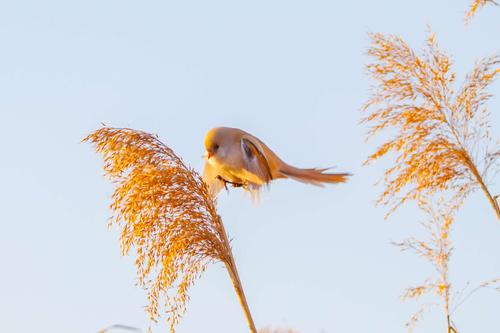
213	148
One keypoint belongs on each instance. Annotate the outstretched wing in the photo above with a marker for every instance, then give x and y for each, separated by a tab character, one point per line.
255	160
210	177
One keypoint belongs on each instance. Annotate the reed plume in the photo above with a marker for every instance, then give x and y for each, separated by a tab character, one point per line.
475	5
437	249
441	138
165	212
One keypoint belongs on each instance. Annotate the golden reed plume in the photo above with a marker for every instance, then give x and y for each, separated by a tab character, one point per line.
165	212
475	6
437	250
440	137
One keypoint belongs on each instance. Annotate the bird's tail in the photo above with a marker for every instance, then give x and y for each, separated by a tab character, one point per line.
312	176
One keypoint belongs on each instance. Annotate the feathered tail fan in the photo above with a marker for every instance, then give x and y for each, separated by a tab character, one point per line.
312	176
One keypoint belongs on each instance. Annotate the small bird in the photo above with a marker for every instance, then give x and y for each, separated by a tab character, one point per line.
238	158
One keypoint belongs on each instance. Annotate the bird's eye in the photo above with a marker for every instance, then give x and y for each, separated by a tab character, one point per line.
215	147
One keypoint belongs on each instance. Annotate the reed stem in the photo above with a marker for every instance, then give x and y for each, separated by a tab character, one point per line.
491	199
235	279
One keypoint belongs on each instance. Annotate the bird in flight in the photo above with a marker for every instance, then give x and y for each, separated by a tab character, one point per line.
240	159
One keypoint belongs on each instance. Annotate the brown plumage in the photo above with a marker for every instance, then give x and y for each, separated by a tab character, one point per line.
236	157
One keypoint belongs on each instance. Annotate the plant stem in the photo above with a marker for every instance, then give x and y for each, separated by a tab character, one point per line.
233	274
235	279
491	199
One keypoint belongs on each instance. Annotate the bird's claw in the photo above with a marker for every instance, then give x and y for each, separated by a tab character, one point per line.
228	182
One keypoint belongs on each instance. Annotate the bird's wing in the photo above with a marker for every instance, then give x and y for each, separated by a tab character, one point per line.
210	177
255	159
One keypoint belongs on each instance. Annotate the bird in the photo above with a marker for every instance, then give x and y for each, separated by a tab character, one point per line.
235	157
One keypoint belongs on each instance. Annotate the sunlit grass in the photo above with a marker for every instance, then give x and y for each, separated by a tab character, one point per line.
442	140
475	5
437	249
166	213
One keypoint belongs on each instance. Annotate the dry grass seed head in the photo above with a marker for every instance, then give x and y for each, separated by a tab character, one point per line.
165	212
437	250
475	5
442	139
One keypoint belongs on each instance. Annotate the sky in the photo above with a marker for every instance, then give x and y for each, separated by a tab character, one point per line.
318	260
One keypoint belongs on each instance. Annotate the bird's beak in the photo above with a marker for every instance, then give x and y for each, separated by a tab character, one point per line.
207	155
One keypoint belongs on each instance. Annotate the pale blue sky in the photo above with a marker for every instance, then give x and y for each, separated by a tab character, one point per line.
291	72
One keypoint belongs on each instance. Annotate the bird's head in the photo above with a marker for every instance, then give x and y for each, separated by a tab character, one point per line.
217	140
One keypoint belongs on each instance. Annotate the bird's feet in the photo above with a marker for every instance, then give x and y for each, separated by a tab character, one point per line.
228	182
